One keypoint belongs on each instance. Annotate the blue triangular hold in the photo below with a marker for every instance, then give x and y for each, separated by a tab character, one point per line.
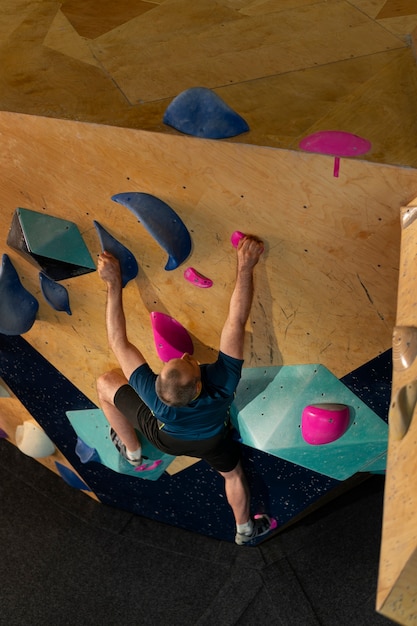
71	478
202	113
128	264
55	294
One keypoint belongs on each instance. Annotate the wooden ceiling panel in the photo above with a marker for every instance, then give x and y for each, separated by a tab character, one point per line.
236	50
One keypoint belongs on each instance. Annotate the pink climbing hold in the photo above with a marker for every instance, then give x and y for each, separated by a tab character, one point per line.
324	423
273	522
236	237
337	143
197	279
146	467
171	338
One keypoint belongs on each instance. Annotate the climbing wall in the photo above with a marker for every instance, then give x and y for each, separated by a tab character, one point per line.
325	288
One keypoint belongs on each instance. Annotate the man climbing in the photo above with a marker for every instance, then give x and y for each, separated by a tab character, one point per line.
185	409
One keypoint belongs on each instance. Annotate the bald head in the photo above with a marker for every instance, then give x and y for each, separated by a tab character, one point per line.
179	381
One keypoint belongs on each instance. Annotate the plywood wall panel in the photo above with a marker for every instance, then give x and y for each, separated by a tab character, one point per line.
326	287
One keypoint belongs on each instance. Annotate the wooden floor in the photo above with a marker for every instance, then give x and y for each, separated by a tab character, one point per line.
83	89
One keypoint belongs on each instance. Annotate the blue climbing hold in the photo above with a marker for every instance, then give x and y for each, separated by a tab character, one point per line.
86	453
128	264
55	294
71	477
161	221
18	307
202	113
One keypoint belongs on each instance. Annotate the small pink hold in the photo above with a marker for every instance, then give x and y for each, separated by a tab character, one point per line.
273	522
197	279
147	468
236	237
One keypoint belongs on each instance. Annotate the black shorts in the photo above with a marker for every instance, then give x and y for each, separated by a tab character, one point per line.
221	452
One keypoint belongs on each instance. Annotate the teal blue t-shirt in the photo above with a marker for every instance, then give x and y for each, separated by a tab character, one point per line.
204	417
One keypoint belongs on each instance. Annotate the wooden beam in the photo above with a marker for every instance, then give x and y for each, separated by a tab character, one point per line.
397	588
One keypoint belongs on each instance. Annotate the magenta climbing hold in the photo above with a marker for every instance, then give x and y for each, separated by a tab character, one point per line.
324	423
197	279
273	521
236	237
148	467
171	338
337	143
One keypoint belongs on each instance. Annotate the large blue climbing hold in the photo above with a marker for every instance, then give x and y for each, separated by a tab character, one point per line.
202	113
18	308
165	226
128	264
